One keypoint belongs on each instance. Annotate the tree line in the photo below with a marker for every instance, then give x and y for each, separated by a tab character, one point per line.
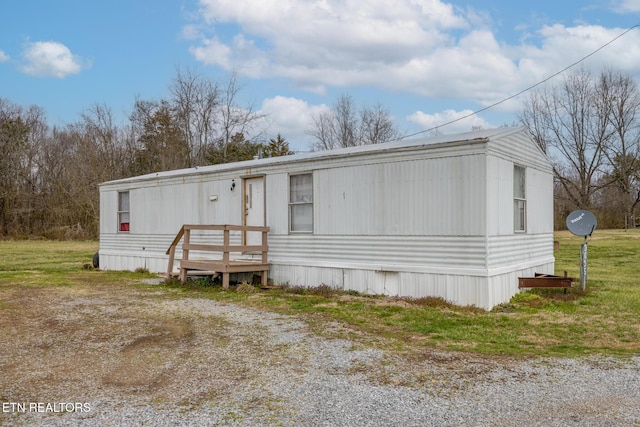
49	176
588	126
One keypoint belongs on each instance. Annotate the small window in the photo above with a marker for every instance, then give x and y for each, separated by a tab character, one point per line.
301	203
519	199
123	211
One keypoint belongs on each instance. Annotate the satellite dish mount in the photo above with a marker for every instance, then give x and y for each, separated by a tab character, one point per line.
582	223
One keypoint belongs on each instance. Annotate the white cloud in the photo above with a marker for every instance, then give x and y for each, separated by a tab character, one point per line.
213	52
627	6
191	32
300	37
464	121
3	56
241	56
51	59
292	118
425	47
562	46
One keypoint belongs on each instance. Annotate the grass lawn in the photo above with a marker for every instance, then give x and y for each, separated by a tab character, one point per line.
543	322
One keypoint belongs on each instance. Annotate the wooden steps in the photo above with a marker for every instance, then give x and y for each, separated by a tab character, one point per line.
225	265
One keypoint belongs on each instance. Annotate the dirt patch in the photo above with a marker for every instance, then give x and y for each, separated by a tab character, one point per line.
76	343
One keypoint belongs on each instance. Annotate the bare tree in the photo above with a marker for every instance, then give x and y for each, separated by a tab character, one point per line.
34	213
345	126
55	156
102	143
572	127
96	148
376	126
200	116
622	97
13	146
161	143
21	134
233	118
324	132
195	100
338	127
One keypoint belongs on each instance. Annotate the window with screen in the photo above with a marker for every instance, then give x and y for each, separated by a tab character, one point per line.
519	199
123	211
301	203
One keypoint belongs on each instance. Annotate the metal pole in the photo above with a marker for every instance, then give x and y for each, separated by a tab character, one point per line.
583	265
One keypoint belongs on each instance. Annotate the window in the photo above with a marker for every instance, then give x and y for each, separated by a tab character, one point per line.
123	211
301	203
519	199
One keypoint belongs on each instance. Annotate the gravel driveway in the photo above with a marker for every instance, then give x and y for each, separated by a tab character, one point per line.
125	357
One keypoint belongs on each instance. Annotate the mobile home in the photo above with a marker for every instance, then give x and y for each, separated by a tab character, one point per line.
459	216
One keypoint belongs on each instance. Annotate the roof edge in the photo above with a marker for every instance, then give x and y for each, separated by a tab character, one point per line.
441	141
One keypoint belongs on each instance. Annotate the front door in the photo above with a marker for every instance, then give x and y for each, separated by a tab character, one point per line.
254	208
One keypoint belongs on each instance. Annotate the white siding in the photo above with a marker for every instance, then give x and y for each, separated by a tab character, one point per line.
512	252
437	197
167	207
128	251
381	252
539	201
499	196
108	212
539	198
277	200
520	148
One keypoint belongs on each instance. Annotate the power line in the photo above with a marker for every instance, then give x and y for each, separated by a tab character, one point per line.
523	90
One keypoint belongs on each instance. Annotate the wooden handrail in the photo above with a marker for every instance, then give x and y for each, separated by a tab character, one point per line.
222	248
226	248
221	227
176	240
214	227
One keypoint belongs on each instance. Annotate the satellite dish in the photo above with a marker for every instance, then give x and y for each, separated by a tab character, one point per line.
581	223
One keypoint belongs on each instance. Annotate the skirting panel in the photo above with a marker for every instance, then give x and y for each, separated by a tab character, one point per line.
483	292
155	264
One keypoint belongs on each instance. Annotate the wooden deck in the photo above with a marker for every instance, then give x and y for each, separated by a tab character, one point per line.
221	263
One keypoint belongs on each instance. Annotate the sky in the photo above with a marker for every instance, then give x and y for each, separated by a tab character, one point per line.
427	62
